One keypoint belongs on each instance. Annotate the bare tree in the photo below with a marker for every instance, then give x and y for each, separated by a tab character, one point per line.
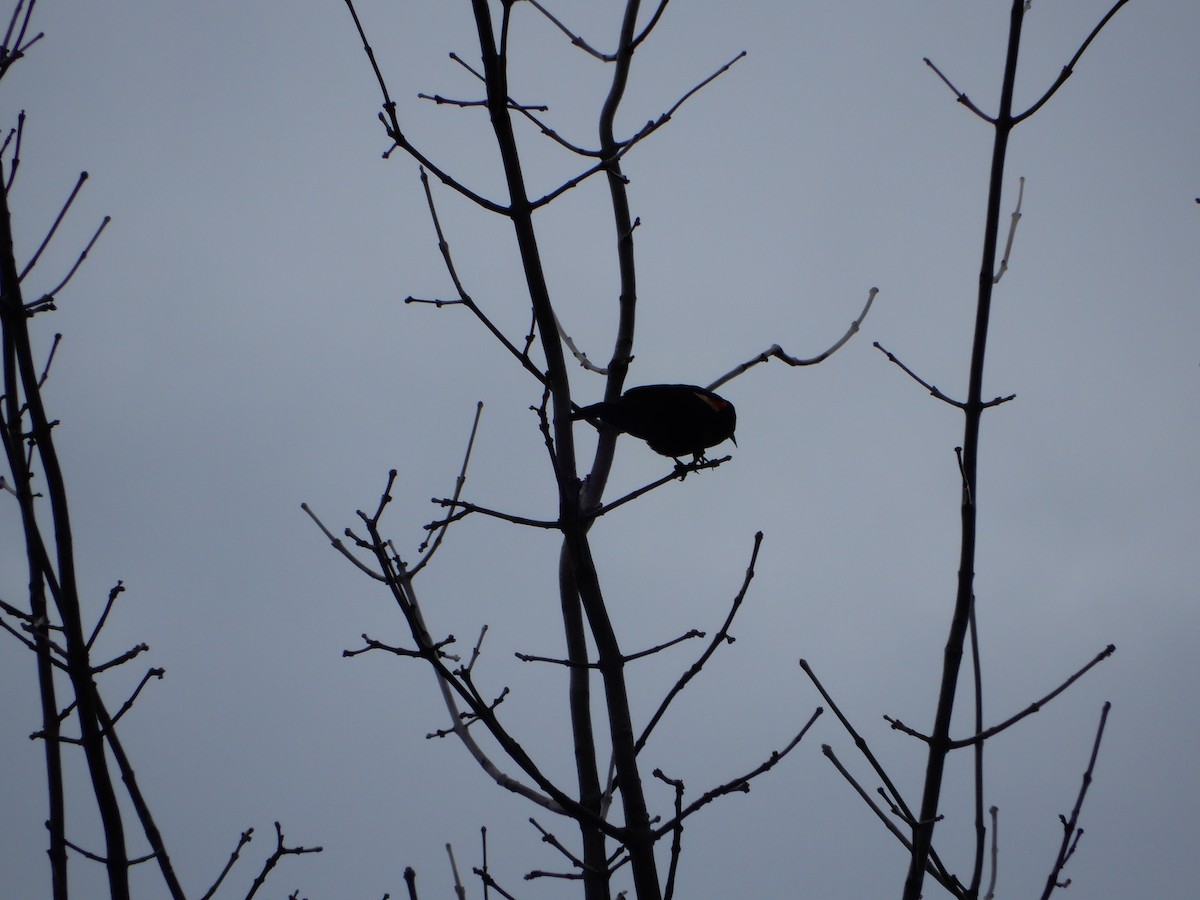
61	624
607	801
595	652
920	820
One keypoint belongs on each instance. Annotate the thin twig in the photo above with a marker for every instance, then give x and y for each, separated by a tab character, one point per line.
962	98
11	52
895	797
54	227
16	160
1012	231
460	890
652	126
990	893
676	833
977	754
49	360
129	654
608	161
576	39
529	657
463	104
892	358
1071	832
674	475
128	704
117	589
341	547
742	783
98	858
490	883
459	483
46	301
243	840
525	111
465	298
939	872
1069	68
1032	708
721	637
392	125
776	352
549	838
280	852
401	586
475	651
889	791
136	797
580	356
464	509
484	856
369	644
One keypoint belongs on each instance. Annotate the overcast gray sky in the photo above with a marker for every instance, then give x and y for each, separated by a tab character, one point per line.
237	344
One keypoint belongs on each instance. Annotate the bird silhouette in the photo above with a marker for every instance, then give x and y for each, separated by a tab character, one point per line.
674	419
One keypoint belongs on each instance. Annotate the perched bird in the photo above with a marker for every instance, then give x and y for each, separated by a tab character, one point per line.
674	419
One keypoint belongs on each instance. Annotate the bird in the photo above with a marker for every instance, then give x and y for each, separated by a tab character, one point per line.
674	419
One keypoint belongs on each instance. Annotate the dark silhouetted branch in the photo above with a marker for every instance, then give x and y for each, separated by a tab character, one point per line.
1069	68
741	784
243	840
933	389
721	637
962	98
459	483
54	227
1071	832
775	351
273	860
46	301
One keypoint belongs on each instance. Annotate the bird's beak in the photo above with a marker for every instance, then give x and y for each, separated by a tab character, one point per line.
732	438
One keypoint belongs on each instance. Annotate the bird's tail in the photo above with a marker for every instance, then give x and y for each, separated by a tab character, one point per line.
586	412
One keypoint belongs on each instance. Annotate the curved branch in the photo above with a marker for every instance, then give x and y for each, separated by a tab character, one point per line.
721	637
392	125
962	98
459	483
1071	833
932	388
465	509
738	784
1069	68
1035	706
777	352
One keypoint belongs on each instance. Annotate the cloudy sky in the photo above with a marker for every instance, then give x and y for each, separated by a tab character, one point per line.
238	344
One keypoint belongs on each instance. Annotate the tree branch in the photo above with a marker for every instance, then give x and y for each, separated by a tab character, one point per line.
776	352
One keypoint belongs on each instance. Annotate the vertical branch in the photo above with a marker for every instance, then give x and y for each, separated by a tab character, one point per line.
587	772
623	225
980	826
939	743
638	836
618	367
149	826
521	215
1071	831
13	416
22	379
